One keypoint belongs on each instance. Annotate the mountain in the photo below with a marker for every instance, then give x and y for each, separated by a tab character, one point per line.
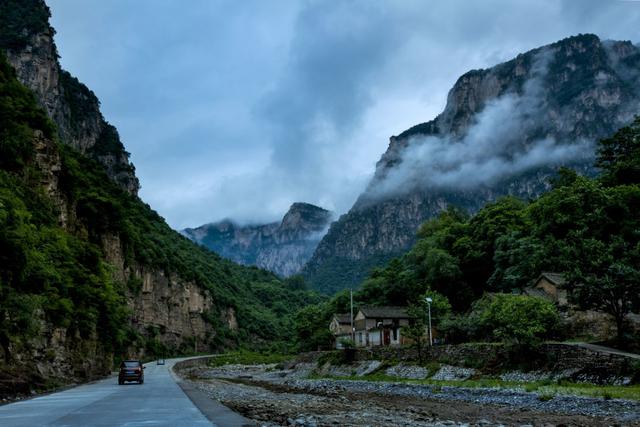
504	130
89	273
27	40
282	247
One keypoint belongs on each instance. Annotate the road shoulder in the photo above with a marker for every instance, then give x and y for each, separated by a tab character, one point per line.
213	410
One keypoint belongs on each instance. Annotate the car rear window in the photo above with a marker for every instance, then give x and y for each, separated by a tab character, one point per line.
131	364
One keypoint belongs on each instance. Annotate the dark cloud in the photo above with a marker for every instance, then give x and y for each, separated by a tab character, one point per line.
237	109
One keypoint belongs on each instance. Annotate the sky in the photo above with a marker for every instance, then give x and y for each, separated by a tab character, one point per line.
237	109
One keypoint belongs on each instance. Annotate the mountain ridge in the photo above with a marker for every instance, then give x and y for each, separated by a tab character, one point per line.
282	246
557	100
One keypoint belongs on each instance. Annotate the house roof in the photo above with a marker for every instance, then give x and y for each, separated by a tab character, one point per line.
555	278
343	318
386	312
535	292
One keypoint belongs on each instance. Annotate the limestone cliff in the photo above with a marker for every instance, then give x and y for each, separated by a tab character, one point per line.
282	247
29	47
505	130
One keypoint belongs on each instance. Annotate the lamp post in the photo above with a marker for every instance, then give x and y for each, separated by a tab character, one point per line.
429	301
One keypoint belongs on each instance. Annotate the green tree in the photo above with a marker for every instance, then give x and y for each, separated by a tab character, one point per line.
312	328
517	319
416	331
619	156
518	260
608	279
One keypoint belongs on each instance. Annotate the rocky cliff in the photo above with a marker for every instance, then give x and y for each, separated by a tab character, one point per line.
504	130
27	41
88	272
282	247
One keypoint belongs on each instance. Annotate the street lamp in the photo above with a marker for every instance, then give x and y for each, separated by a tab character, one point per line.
429	301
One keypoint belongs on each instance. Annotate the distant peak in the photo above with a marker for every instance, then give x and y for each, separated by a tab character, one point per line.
302	206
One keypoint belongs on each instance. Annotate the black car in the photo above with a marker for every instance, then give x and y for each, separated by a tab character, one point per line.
131	370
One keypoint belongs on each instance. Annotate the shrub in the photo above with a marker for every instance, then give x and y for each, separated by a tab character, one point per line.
518	319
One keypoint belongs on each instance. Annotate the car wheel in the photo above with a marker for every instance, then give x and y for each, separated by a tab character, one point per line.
120	382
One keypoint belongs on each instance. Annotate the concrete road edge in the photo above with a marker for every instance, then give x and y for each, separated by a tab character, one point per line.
214	411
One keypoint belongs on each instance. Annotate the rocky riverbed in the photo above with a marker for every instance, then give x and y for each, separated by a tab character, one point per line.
273	396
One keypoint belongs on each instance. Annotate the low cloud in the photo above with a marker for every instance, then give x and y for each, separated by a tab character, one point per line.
498	144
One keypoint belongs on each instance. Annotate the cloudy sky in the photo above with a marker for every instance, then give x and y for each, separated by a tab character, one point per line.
236	109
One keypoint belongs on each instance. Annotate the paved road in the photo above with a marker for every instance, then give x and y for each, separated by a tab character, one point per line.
607	350
158	402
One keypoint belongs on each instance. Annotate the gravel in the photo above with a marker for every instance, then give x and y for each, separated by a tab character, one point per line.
287	398
453	373
625	410
412	372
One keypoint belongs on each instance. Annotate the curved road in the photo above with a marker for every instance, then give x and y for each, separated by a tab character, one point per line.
160	401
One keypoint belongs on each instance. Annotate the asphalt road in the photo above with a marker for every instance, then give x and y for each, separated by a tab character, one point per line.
158	402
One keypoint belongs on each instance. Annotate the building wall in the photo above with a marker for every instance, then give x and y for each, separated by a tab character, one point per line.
548	287
557	295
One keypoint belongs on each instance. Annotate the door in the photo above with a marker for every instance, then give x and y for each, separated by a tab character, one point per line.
387	337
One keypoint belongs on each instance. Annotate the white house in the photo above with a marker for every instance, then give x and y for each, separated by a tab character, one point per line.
380	326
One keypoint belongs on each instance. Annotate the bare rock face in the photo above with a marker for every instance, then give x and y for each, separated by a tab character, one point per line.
71	105
167	306
282	247
505	130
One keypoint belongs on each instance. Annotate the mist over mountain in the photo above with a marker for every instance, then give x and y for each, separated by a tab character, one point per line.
282	247
504	130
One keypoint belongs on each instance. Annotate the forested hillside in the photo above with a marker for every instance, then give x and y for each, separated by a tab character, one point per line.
89	272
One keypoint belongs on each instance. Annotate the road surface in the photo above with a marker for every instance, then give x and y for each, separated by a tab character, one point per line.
606	350
160	401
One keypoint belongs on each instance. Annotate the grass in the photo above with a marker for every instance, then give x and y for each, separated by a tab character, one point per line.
545	389
248	358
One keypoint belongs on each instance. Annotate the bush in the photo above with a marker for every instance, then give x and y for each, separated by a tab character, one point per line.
517	319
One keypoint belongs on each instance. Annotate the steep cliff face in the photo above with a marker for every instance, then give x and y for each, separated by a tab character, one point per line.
88	272
505	130
27	41
282	247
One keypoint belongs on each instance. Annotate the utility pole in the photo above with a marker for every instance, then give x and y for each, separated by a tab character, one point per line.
353	330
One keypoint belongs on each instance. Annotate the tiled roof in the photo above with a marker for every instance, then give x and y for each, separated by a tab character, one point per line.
535	292
387	312
555	278
343	318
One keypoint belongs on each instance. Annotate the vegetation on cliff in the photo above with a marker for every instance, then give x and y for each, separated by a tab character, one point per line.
575	90
21	19
52	276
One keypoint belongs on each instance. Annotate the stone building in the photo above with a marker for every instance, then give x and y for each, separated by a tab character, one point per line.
550	286
340	327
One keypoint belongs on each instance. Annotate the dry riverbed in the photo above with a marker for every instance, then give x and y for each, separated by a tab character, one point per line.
273	396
